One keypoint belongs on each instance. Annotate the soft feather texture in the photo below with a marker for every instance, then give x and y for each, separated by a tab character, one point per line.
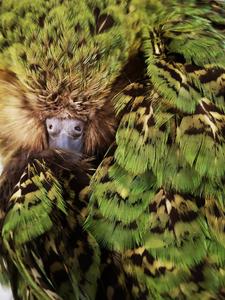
57	59
158	198
155	215
60	60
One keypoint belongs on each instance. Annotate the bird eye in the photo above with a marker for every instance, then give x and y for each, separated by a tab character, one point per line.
53	126
65	133
77	128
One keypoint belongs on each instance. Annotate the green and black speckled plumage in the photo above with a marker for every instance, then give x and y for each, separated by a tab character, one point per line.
159	197
150	225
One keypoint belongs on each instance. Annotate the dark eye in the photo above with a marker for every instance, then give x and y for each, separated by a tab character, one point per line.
53	126
77	128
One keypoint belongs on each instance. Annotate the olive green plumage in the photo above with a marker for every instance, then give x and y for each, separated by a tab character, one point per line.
153	214
46	42
159	197
43	236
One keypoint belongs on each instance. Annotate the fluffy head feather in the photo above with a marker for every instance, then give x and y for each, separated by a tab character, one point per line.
60	60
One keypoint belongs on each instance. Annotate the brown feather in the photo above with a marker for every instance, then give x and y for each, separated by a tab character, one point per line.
20	126
23	114
24	109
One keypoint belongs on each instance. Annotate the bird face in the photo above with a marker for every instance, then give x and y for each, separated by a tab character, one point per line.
58	79
66	134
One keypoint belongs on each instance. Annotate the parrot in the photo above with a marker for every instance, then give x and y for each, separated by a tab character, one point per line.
158	197
112	139
60	63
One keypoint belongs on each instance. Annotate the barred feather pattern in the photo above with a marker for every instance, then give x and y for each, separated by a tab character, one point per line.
42	235
45	251
155	218
61	59
158	197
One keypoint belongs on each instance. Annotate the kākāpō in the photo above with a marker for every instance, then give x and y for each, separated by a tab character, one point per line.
139	86
59	64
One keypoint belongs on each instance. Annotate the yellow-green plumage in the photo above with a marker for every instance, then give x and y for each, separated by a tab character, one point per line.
155	218
171	141
43	235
